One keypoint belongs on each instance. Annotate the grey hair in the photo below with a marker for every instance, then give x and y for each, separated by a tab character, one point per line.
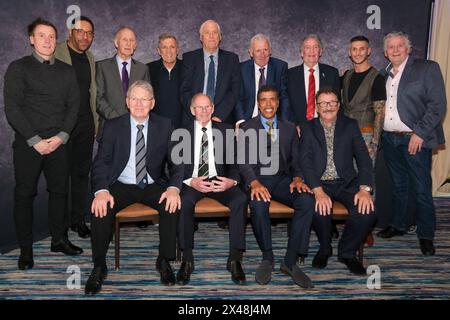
311	36
200	94
200	31
141	84
395	34
259	37
165	36
121	29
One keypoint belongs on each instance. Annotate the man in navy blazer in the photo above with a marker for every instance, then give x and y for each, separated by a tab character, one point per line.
331	143
300	90
129	167
268	158
262	69
415	106
224	83
211	171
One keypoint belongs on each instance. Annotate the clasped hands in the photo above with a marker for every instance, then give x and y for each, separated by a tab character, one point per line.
47	146
202	185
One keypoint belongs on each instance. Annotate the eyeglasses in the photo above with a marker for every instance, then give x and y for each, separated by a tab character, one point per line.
82	33
208	107
324	104
141	100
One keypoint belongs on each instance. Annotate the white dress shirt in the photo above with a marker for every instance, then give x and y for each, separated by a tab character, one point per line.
257	77
120	66
316	77
392	120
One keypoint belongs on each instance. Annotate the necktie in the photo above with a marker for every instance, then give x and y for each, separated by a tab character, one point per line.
203	166
311	95
262	79
271	131
141	171
125	79
210	86
46	62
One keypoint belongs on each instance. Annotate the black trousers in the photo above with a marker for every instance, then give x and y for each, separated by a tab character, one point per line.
232	198
28	165
80	148
303	204
124	195
356	227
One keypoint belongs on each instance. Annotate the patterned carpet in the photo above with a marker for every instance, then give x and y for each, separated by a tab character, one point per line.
405	273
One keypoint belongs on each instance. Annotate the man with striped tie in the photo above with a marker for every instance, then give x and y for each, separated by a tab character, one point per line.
129	168
211	172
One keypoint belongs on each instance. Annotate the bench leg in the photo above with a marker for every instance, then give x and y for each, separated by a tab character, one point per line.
117	243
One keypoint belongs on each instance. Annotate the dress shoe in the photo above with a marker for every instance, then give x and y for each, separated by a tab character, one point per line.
427	247
66	247
26	259
82	229
95	281
320	260
369	240
237	273
264	272
165	271
299	277
354	265
142	224
390	232
184	274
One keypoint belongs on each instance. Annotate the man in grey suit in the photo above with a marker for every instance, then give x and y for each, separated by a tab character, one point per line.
116	74
415	106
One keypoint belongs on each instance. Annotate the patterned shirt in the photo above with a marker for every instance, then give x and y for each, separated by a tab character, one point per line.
330	172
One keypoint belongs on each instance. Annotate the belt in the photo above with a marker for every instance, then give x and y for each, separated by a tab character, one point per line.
401	133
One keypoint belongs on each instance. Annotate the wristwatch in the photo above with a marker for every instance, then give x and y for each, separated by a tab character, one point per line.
235	183
366	188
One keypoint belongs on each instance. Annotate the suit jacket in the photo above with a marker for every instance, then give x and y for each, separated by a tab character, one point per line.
62	53
276	75
167	101
329	77
224	168
228	83
421	100
110	96
288	146
114	152
348	144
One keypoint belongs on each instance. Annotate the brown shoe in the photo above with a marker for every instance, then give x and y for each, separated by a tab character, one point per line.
369	240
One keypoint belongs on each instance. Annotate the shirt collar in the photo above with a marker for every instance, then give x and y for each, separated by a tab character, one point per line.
120	60
400	67
208	126
326	127
264	120
134	123
206	54
306	68
41	60
257	67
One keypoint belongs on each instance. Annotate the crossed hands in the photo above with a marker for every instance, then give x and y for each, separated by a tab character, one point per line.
47	146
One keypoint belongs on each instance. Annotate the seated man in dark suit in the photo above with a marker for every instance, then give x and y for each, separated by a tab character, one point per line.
129	168
214	72
262	69
330	143
271	170
211	172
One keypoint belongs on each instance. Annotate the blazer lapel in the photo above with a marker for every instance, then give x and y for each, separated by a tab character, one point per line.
405	75
132	72
270	73
322	78
301	85
220	73
125	141
116	76
320	135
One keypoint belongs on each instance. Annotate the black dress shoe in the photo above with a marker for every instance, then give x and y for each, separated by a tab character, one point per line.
82	229
184	274
263	273
427	247
142	224
299	277
354	265
165	271
66	247
390	232
320	260
26	259
237	273
95	281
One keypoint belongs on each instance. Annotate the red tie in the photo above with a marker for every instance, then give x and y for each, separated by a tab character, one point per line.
311	95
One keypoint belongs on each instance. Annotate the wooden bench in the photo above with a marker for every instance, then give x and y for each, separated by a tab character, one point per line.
207	208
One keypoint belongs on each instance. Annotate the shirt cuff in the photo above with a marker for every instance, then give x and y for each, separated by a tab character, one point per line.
239	122
34	140
188	181
172	187
64	137
101	190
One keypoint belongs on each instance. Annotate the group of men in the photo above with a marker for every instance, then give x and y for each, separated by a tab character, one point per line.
316	142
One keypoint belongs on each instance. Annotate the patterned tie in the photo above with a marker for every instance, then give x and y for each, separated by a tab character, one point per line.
203	166
210	86
262	79
141	171
311	95
271	131
125	79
